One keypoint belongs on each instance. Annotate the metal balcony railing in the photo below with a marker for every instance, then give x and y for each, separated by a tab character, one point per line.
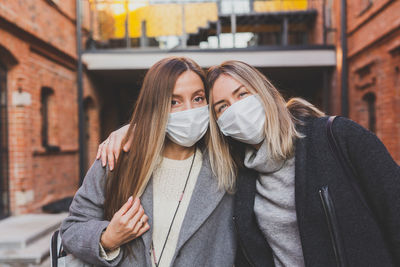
210	24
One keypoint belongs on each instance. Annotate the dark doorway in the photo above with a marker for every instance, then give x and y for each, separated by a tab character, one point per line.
4	198
304	82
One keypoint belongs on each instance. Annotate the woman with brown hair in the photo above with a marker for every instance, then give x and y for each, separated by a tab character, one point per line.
161	205
296	203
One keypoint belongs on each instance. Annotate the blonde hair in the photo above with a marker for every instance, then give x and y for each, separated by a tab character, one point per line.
226	155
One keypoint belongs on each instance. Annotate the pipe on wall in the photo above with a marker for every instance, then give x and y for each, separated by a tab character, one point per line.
81	122
344	73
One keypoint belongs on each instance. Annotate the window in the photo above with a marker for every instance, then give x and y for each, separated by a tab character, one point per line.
364	6
370	100
47	100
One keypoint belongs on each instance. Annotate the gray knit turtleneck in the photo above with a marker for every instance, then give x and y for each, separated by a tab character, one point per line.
275	207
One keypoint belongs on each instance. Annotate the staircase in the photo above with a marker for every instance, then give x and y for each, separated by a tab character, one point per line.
25	239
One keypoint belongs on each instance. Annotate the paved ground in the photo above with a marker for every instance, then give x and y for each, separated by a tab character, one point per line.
46	263
25	239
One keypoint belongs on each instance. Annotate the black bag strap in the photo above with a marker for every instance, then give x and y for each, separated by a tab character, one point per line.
345	164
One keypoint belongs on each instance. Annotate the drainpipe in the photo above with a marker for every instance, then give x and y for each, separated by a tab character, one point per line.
80	90
344	74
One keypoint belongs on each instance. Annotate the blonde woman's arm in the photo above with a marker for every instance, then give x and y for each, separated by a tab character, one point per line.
109	150
378	175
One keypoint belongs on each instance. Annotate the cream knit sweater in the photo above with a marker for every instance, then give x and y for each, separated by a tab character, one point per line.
168	182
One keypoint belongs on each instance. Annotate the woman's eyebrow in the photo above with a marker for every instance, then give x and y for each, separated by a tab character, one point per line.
233	93
198	91
176	96
219	102
237	89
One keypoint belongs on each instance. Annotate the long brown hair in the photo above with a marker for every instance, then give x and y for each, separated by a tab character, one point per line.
149	119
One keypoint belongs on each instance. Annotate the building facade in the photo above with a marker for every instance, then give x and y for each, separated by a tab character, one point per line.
296	43
39	110
373	34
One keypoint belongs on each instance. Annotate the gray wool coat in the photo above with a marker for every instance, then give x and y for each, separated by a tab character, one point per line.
206	238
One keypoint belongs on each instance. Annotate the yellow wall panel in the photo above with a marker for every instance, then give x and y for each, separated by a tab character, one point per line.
166	19
159	24
280	5
199	14
119	26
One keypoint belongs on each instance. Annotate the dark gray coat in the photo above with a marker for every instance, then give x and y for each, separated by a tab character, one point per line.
364	236
206	237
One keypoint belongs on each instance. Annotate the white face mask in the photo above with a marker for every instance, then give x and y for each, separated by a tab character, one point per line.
187	127
244	121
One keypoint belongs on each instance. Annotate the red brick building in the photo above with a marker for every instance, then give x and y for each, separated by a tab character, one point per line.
39	135
39	111
373	38
373	61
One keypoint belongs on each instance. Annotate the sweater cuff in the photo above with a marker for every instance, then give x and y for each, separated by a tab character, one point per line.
109	255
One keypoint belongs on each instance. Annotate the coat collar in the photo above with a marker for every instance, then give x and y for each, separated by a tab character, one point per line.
303	183
300	173
251	238
147	202
205	198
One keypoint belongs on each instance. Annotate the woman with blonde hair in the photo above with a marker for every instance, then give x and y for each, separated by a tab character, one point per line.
311	190
161	205
295	204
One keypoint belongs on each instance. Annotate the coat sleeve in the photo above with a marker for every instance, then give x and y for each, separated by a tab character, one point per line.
82	229
379	177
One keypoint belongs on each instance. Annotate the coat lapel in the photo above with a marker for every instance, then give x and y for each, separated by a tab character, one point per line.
252	241
300	177
244	199
301	186
147	202
205	198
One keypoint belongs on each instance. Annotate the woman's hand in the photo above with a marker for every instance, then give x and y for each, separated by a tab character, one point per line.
128	223
110	148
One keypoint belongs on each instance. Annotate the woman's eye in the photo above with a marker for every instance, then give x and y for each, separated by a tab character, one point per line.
222	108
174	102
243	94
199	99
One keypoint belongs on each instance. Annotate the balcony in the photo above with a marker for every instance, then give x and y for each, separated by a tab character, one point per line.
127	34
287	40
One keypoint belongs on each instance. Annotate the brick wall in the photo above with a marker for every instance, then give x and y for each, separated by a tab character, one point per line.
40	36
44	21
373	39
374	62
316	34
